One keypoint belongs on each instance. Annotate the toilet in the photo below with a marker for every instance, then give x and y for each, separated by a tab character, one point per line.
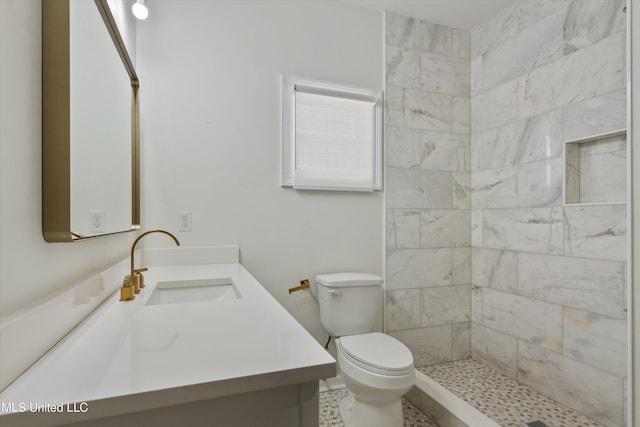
376	368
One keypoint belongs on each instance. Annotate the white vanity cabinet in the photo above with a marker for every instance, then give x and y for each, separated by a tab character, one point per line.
231	362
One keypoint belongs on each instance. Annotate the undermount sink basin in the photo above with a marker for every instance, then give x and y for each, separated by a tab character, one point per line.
182	291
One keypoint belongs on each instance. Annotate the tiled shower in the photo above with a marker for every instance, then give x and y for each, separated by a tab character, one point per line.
484	257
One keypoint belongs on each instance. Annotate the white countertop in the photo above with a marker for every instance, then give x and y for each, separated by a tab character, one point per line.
173	353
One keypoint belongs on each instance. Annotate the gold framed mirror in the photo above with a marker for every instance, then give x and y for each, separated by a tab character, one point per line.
90	124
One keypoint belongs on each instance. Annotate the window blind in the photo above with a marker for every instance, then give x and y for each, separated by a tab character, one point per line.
334	133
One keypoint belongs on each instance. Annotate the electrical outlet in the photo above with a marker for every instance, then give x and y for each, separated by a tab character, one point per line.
96	221
185	221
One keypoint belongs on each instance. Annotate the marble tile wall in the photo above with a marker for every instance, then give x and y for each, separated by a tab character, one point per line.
482	257
428	188
548	281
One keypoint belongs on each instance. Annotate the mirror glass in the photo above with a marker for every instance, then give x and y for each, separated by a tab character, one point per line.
90	124
100	119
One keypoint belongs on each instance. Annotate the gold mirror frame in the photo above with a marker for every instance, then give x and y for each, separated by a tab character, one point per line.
56	129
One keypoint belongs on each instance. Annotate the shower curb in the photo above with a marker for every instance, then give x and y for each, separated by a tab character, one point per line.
444	407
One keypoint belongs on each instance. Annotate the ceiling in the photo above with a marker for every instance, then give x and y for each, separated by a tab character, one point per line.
462	14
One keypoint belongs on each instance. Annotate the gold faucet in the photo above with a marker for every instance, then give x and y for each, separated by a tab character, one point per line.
134	281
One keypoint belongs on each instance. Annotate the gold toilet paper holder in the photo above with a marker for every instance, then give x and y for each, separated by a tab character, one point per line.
304	284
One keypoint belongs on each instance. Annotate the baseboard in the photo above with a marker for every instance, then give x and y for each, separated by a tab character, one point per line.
330	384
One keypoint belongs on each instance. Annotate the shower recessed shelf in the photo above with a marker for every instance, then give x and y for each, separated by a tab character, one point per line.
595	169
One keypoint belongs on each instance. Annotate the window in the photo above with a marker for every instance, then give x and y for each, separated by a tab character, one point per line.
331	136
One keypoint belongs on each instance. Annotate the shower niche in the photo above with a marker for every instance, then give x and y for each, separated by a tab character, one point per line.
595	169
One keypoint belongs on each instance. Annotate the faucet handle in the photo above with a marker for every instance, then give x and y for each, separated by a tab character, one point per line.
126	291
138	273
135	282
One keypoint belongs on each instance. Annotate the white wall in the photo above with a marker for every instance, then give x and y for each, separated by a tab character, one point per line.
210	102
30	268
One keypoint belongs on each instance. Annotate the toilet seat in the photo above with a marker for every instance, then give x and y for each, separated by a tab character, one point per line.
378	353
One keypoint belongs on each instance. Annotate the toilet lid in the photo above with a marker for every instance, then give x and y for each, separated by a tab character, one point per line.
378	352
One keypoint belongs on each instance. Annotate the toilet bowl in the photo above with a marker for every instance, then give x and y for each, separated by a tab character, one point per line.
377	368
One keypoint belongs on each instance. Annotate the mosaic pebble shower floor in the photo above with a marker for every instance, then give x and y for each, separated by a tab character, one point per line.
499	397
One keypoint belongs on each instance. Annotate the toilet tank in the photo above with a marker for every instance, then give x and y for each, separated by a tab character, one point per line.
349	302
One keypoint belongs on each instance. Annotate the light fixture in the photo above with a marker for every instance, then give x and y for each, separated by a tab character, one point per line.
140	10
